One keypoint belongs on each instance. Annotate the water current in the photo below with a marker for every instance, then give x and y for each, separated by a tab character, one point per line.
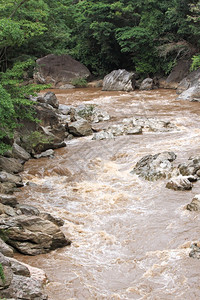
130	237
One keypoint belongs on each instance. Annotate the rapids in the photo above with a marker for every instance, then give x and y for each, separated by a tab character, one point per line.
130	237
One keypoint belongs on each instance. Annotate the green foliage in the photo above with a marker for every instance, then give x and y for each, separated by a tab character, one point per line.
79	82
195	62
2	275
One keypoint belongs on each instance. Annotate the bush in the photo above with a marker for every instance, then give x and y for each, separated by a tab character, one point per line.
195	62
79	82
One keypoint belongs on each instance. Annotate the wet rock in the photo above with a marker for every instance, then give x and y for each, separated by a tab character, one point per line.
32	235
51	99
147	84
150	124
10	165
80	127
119	80
180	183
56	220
195	252
190	168
7	188
59	70
28	210
195	204
8	200
103	135
66	87
6	272
65	109
154	167
20	153
47	153
92	113
189	88
7	177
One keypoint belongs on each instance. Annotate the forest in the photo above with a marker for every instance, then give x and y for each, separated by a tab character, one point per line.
147	37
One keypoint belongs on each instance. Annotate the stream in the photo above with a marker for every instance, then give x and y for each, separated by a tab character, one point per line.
130	237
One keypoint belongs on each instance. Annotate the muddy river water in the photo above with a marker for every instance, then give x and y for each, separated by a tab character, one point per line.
130	237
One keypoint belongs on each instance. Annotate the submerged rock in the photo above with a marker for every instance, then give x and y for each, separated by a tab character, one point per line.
119	80
190	168
151	124
154	167
195	252
195	204
180	183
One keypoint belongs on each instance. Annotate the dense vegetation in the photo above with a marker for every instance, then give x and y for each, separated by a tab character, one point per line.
147	36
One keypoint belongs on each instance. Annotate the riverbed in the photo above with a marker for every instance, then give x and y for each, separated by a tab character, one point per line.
130	237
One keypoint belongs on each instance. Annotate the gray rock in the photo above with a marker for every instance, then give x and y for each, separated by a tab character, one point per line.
7	177
195	252
7	188
47	153
190	168
59	70
180	183
154	167
147	84
195	204
19	268
119	80
102	135
51	99
8	210
189	87
65	109
80	127
10	165
19	152
28	210
5	249
56	220
8	200
92	113
66	87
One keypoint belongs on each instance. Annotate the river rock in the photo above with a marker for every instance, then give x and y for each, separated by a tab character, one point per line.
178	73
154	167
7	188
195	204
20	153
117	130
180	183
189	88
190	168
47	153
32	235
67	87
81	127
28	210
10	165
5	249
7	210
195	252
147	84
119	80
191	80
92	113
19	268
59	70
7	177
51	99
150	124
8	200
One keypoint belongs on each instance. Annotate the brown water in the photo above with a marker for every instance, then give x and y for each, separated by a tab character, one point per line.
130	238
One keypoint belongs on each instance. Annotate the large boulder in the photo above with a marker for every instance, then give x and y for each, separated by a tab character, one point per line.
81	127
59	70
10	165
189	87
178	73
154	167
20	153
31	235
119	80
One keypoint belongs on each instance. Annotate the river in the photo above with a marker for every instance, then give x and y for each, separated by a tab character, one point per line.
130	237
